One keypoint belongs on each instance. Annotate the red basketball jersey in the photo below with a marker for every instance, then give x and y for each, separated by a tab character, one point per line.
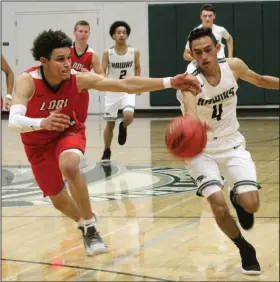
45	100
81	61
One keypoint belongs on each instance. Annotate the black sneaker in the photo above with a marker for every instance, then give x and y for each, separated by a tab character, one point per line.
246	219
250	264
106	155
93	243
122	134
107	168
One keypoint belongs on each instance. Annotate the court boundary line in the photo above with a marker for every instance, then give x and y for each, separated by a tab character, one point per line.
155	217
87	268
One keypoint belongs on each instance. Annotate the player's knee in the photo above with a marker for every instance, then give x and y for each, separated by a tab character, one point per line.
248	196
250	201
69	165
219	206
128	117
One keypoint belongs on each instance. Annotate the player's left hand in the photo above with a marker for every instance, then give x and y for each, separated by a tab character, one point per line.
8	102
186	82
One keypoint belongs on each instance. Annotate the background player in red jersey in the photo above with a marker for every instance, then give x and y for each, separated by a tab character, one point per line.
83	59
9	82
43	112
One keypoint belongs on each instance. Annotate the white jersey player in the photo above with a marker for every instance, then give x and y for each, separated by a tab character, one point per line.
225	151
217	105
119	62
207	16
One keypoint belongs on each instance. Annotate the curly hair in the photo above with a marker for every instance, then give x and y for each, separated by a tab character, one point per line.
202	32
47	41
117	24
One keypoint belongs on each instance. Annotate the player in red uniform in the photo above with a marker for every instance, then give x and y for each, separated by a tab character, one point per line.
43	112
83	59
9	82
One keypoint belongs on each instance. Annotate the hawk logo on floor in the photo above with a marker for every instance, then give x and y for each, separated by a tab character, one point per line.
105	182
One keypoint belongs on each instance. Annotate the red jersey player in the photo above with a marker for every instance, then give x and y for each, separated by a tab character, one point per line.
43	112
83	59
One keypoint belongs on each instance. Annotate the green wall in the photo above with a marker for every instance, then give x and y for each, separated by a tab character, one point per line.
255	30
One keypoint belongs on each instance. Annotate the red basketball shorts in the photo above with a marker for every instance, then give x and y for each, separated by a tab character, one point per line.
45	160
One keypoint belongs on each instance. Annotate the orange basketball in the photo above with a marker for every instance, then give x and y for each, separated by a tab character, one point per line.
185	137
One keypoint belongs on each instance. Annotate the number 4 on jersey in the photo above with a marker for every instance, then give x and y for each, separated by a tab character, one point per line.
122	74
217	111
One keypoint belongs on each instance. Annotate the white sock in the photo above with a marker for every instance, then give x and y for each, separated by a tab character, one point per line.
81	223
90	222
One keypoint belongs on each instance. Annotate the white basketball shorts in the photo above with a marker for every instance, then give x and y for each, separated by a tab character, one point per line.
225	156
117	101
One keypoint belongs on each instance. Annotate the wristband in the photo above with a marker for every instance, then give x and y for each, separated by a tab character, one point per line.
9	96
167	82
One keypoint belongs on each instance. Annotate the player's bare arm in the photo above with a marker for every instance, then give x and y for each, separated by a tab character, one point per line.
9	81
190	108
96	66
131	85
18	122
105	61
187	55
137	68
242	71
189	102
230	46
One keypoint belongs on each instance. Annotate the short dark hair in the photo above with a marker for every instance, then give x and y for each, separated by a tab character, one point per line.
117	24
47	41
208	7
202	32
84	23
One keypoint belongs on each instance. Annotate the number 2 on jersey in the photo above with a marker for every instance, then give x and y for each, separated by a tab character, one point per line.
122	74
217	112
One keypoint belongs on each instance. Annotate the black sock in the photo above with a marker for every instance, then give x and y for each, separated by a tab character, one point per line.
240	241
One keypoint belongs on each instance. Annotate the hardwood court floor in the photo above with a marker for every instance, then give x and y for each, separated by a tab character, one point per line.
155	226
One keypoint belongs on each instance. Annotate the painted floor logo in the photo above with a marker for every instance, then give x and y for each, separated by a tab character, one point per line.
105	182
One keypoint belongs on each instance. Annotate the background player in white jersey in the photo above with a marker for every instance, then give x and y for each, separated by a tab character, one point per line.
207	16
119	62
225	150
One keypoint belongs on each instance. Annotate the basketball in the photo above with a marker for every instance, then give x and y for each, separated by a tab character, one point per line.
185	137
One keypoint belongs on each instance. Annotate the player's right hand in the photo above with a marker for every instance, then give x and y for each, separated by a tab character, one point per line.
186	82
56	121
206	125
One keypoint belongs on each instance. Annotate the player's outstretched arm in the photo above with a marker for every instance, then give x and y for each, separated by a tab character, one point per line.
137	84
242	71
18	122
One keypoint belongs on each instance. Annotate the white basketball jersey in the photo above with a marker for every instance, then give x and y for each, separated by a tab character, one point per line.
121	66
217	105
